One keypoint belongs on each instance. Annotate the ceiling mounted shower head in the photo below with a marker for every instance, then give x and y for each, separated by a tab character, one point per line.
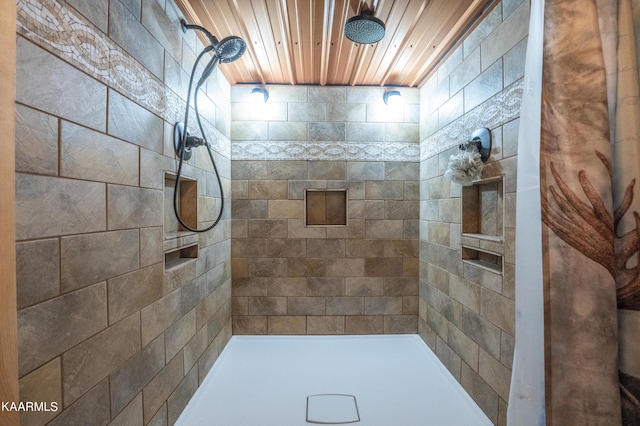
230	49
364	28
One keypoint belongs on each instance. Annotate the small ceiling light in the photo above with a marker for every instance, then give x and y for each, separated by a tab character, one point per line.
260	94
391	97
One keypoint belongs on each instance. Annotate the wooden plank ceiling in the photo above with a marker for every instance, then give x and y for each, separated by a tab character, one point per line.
302	41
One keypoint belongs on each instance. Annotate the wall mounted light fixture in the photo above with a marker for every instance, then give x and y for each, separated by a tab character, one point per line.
260	94
481	138
391	96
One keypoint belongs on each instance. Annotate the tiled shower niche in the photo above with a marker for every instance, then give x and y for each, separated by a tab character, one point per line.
326	207
483	224
483	209
187	204
180	244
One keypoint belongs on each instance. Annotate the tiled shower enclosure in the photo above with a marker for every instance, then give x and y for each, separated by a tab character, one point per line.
293	278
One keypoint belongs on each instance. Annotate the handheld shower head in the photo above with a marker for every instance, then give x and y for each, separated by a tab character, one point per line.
227	50
230	49
208	69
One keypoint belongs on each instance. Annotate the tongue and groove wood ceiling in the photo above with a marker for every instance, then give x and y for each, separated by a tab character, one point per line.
302	41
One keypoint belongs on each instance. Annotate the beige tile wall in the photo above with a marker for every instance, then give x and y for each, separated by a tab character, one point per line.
104	330
289	278
466	312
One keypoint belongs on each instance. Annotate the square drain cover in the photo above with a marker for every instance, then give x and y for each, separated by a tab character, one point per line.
332	409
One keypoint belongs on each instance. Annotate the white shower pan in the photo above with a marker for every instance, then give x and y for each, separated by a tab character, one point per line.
267	381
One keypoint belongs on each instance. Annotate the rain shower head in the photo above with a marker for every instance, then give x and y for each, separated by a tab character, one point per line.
364	28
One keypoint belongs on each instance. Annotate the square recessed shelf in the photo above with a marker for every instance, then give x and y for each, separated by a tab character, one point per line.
325	207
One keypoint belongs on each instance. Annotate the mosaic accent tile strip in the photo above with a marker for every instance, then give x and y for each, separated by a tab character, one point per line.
61	31
349	151
500	109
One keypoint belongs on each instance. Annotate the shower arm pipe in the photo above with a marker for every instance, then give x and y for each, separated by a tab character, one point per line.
187	26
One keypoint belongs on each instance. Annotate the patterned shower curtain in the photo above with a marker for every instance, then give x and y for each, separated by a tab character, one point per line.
590	238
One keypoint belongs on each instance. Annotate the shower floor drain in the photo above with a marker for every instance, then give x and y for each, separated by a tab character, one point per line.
332	409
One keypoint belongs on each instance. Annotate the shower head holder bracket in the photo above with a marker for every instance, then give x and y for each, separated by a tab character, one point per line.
178	137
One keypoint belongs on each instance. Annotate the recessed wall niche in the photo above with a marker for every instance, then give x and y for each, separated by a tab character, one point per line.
326	207
180	244
483	224
483	209
187	204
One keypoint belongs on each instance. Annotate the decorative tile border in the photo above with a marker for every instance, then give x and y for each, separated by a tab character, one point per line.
337	151
61	31
498	110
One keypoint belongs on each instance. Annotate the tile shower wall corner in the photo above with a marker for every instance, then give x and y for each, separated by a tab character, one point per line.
290	278
466	311
104	329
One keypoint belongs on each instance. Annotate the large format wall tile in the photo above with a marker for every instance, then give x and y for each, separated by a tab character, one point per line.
162	385
132	207
134	374
92	408
37	271
181	396
131	414
484	86
90	258
513	29
97	13
163	26
44	329
131	292
88	363
90	155
134	123
49	84
42	384
159	315
36	142
73	206
128	32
